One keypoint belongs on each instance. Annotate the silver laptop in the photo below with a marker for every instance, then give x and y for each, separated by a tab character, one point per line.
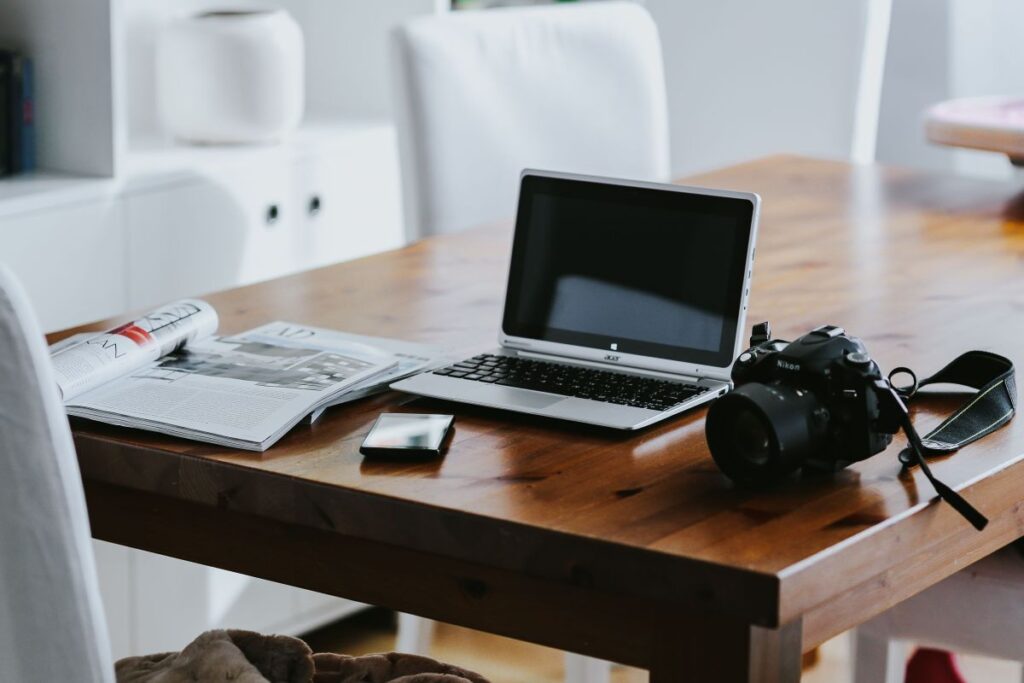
625	304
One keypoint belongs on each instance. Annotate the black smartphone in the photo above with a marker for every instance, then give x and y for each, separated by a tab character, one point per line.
407	436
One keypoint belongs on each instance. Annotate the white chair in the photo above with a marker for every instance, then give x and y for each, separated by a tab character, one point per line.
977	610
52	626
483	95
581	88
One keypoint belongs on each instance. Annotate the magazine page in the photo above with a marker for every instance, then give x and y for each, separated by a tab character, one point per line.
241	391
409	357
105	356
68	342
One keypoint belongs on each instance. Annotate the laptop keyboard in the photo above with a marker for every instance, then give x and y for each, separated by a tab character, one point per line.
571	380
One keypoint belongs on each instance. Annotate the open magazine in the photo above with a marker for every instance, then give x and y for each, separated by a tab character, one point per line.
168	372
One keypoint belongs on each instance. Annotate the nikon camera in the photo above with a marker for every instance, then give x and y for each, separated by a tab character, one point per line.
815	403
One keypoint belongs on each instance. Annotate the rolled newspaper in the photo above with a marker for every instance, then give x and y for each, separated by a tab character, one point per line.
123	349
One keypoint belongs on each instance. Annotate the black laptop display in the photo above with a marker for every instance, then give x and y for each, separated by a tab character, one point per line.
640	271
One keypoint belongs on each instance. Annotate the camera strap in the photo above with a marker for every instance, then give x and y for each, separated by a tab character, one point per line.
990	407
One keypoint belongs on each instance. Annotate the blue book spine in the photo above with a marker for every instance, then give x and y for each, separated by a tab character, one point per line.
6	129
27	111
13	105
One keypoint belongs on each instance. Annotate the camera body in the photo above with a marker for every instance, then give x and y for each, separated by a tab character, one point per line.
813	403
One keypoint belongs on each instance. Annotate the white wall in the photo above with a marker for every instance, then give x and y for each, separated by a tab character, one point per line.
747	79
348	60
985	58
943	49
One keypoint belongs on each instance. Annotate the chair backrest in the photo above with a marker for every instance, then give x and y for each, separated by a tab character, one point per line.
483	95
51	620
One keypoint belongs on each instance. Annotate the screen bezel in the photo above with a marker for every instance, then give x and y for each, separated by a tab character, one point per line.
743	206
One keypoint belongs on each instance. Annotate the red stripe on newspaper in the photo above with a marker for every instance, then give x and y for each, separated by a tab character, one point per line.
135	333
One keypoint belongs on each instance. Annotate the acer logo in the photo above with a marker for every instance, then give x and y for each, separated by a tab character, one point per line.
611	358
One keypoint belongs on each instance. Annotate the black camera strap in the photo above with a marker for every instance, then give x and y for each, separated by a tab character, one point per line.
991	406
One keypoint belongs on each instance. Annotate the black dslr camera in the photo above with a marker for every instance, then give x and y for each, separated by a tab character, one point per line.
817	403
820	403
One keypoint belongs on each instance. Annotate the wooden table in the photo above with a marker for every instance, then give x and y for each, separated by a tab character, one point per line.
629	547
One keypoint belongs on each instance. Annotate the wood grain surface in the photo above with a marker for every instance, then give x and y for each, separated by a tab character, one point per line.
921	266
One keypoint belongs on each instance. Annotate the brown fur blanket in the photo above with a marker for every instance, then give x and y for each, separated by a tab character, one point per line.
247	657
388	668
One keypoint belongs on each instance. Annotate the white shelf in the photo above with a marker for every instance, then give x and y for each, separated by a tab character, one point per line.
45	190
70	44
134	204
159	161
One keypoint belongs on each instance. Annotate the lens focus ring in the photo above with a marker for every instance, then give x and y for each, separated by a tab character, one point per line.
759	433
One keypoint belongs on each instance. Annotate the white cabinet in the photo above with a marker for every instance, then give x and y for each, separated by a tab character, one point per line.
205	233
70	260
271	246
241	217
350	198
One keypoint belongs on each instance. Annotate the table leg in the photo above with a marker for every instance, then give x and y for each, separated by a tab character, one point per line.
710	650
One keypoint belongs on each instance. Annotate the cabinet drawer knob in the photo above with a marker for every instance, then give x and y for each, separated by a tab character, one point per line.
273	214
314	205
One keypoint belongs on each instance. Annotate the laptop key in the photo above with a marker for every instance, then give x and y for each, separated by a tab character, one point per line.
619	388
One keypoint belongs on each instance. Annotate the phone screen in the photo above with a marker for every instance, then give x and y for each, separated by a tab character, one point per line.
408	431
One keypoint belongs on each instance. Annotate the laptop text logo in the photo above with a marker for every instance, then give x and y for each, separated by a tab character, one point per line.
611	357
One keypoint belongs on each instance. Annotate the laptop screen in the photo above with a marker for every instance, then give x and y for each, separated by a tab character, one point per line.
641	271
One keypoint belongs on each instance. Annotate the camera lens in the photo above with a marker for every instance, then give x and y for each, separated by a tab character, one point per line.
752	439
759	433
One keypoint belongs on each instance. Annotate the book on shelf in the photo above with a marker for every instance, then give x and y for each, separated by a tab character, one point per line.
24	109
170	372
6	126
17	114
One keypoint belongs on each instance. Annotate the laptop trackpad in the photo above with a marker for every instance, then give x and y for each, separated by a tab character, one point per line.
527	400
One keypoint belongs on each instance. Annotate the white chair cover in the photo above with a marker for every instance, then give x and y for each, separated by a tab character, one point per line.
483	95
51	620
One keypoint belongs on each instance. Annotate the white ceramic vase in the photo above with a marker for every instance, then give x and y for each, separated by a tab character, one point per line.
231	77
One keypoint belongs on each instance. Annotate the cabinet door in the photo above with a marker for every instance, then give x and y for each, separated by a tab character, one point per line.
350	198
210	233
70	260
